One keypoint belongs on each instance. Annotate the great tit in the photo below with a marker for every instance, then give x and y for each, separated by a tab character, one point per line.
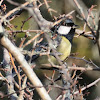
65	31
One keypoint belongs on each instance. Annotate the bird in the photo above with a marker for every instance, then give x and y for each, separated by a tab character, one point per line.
64	31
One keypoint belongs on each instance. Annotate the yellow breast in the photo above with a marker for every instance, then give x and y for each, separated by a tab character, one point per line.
64	48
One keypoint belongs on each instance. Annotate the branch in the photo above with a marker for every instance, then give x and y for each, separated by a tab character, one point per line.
23	86
12	11
85	34
84	17
25	66
88	86
98	35
9	75
45	26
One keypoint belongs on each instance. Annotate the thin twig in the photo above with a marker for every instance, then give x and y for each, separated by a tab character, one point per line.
98	35
88	86
31	40
25	66
19	77
24	31
12	11
83	15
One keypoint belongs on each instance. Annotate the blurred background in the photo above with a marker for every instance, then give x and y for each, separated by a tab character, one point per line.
81	45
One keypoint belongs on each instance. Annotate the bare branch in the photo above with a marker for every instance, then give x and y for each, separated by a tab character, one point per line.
88	86
25	66
12	11
9	75
23	86
98	35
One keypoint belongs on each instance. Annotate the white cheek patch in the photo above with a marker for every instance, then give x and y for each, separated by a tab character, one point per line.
63	30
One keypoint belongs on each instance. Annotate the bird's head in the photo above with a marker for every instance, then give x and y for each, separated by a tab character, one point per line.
65	28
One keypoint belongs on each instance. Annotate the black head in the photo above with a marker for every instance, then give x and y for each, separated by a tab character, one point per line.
67	22
65	28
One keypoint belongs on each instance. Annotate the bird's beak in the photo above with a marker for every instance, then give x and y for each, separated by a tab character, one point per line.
75	26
